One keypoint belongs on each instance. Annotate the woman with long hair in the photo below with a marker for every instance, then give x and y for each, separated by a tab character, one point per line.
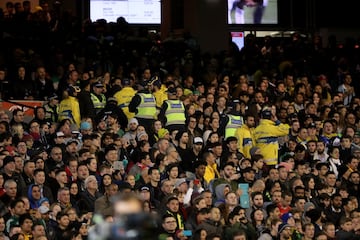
258	221
214	126
23	87
106	180
309	183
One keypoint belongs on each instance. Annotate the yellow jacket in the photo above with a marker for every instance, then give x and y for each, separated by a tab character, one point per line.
160	97
69	109
211	172
266	137
123	98
246	141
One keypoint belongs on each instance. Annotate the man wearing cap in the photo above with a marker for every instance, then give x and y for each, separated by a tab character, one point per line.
143	104
245	136
248	176
231	122
124	97
97	96
284	231
71	149
192	155
172	112
52	108
116	113
267	133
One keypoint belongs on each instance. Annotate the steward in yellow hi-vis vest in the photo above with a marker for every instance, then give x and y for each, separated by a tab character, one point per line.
52	108
267	133
234	122
97	97
69	106
245	136
172	112
124	97
143	104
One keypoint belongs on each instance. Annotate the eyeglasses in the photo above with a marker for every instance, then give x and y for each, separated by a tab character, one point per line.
35	126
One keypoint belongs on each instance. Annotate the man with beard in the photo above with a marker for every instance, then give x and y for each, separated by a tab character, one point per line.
311	149
71	150
229	176
248	176
257	201
334	212
284	231
131	134
200	167
320	152
294	129
245	136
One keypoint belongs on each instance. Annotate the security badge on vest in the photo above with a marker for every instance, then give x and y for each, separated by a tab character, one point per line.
175	105
147	100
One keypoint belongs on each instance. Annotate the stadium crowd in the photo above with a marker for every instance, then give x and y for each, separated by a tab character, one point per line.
139	138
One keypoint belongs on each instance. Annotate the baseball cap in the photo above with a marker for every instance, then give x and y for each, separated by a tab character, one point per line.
312	125
144	188
99	84
198	140
248	169
53	96
72	141
179	181
60	134
171	91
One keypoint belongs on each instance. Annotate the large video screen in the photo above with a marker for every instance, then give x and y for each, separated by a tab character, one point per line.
134	11
252	12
